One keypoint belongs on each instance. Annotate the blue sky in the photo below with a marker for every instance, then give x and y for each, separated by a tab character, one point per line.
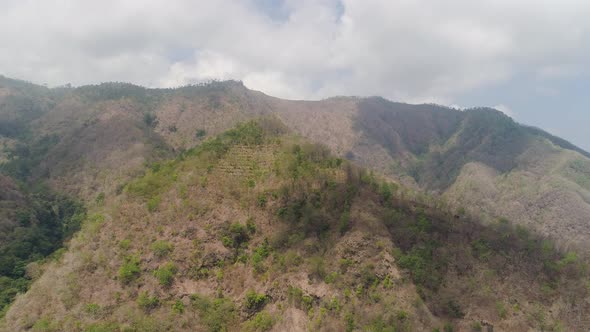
560	106
529	58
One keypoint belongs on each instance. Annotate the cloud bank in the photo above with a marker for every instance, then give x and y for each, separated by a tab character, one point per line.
410	50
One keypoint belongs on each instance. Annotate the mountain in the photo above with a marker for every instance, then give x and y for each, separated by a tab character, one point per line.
451	200
88	140
34	224
257	229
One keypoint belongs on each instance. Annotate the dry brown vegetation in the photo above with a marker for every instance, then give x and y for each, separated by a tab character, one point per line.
253	226
256	230
91	139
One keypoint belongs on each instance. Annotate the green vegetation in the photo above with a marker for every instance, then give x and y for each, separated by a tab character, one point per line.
150	186
428	241
261	322
150	119
216	314
153	203
501	310
129	270
162	248
476	327
254	301
315	198
161	176
93	309
318	210
165	274
487	136
26	155
448	327
43	224
100	199
317	267
444	140
147	302
200	133
259	255
125	244
178	307
298	299
235	236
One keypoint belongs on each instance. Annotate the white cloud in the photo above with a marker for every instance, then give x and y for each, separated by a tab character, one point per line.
416	51
505	109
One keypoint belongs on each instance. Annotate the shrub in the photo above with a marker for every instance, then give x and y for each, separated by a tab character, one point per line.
481	249
160	177
345	263
45	325
150	119
261	252
454	309
254	301
178	307
235	235
125	244
344	224
215	314
385	192
200	133
251	225
100	198
261	322
476	327
153	203
421	266
93	309
261	200
296	297
368	276
130	270
228	242
146	302
162	248
401	315
448	327
165	274
569	258
331	278
501	308
317	267
350	325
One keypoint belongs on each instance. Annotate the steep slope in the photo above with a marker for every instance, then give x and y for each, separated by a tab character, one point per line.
482	160
85	139
33	224
258	230
89	140
547	191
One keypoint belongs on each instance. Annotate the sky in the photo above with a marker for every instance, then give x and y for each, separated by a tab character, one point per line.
528	58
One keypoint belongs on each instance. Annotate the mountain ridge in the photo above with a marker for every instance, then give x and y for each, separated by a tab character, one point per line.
424	146
257	223
438	184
